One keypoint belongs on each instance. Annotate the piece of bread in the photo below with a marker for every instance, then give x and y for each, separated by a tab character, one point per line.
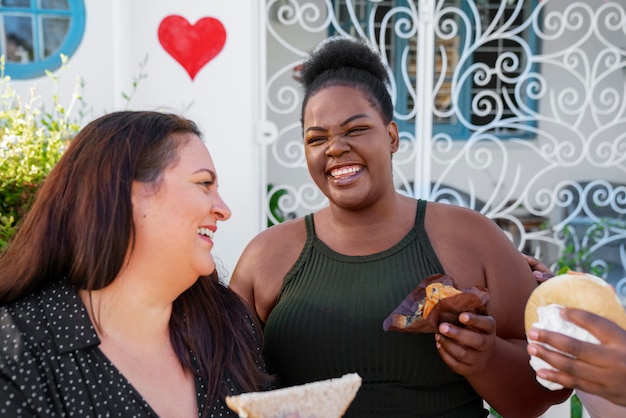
576	290
322	399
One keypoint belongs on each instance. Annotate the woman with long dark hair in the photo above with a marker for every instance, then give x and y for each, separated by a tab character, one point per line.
110	303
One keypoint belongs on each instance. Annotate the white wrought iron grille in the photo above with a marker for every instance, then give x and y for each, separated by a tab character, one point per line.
514	108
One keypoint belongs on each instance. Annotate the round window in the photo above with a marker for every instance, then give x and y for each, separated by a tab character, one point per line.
35	33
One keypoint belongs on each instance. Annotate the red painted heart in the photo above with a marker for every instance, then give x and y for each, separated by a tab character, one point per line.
193	46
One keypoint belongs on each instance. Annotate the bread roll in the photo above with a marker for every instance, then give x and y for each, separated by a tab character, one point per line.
322	399
576	290
572	290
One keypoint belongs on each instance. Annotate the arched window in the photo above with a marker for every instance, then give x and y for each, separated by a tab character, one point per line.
34	34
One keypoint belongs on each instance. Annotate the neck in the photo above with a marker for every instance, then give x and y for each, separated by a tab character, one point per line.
379	214
366	231
119	312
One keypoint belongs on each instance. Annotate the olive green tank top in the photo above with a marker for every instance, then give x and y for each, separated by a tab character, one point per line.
328	321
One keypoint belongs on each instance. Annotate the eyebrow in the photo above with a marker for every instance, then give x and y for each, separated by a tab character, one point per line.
206	170
344	123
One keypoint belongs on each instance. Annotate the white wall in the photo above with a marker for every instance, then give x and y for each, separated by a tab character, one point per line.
222	98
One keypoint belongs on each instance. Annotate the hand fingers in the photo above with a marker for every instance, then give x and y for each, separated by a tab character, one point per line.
475	333
579	361
570	372
453	354
542	277
603	329
462	359
571	346
482	323
466	350
540	270
612	338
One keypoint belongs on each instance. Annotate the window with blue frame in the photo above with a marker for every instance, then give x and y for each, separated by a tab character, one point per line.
35	33
401	52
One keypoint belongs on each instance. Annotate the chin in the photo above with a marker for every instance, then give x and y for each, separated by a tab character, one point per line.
209	270
206	268
205	264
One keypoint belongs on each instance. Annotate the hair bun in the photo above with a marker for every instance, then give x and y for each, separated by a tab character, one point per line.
340	52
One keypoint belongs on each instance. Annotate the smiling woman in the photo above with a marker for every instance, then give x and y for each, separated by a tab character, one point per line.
338	126
330	279
117	245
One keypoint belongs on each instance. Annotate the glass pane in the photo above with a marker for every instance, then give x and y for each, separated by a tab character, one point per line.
55	4
15	3
54	32
18	38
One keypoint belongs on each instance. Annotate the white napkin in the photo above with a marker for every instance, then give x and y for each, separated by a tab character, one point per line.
549	318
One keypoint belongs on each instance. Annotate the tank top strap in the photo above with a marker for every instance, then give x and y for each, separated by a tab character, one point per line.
424	241
304	254
310	228
420	214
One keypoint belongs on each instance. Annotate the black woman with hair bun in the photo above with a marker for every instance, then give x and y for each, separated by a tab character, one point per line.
323	284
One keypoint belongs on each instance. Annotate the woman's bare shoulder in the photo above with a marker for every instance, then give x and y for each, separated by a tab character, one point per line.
450	211
279	237
265	261
448	219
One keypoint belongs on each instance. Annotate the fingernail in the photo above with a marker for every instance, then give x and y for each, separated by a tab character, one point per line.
532	350
533	335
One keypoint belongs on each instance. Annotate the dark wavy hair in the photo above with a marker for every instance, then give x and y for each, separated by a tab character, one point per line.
349	62
84	211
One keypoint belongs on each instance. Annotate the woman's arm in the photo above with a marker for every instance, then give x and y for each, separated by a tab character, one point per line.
490	351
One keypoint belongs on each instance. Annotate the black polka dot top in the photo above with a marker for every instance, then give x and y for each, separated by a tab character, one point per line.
51	366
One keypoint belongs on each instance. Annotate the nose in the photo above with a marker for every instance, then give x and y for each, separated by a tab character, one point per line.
220	208
337	146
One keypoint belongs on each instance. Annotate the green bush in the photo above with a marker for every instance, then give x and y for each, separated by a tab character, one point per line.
32	140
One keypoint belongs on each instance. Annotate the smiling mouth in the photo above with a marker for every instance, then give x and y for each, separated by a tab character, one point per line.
205	232
345	172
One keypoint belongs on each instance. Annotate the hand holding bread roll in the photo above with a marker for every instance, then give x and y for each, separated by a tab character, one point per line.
595	363
572	290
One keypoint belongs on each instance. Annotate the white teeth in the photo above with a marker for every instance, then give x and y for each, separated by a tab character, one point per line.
344	171
205	231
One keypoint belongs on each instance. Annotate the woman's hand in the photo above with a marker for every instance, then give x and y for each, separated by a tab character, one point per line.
467	350
540	270
599	369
